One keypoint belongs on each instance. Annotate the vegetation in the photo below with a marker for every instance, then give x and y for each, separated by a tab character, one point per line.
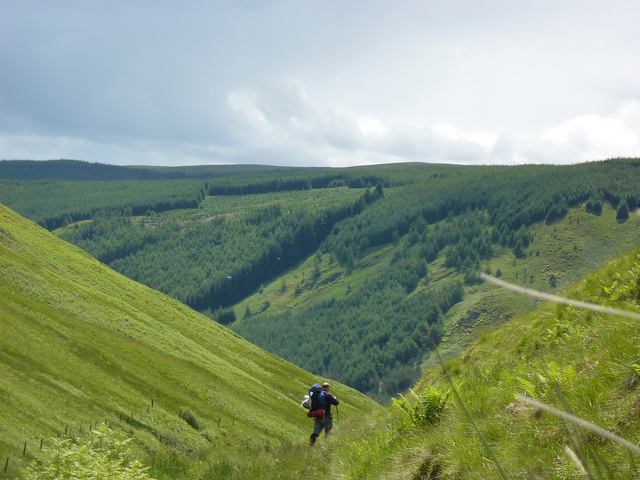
363	255
105	455
214	263
54	204
84	346
377	326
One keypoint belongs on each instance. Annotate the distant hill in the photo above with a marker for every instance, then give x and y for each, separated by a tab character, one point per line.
77	170
81	344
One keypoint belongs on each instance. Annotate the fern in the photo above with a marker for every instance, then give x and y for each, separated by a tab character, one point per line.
529	388
426	410
103	455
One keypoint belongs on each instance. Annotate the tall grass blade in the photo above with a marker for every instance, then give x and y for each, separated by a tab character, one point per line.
583	423
557	299
576	461
582	446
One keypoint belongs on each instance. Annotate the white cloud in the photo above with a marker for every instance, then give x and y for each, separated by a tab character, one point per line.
371	126
320	83
595	136
245	103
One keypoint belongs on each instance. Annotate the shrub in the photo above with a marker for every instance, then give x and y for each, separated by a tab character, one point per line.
192	419
426	410
102	455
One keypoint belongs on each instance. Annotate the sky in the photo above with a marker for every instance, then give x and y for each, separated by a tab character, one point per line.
319	83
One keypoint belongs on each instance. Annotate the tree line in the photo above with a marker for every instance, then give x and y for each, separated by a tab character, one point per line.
54	204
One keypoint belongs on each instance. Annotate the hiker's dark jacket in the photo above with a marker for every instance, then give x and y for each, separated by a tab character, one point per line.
329	400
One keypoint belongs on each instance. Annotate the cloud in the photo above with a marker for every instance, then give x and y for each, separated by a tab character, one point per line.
319	83
593	136
245	103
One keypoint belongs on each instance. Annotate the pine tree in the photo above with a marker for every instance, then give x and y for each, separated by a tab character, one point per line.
623	210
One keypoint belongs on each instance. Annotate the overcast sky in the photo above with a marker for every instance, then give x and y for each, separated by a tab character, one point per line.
319	83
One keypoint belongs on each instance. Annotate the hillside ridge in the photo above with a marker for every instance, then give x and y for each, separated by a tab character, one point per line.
81	343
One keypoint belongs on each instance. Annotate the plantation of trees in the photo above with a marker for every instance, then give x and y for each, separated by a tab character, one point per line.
216	262
54	204
210	240
372	339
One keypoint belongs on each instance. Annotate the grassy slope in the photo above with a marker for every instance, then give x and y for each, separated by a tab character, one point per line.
571	359
80	343
555	354
568	249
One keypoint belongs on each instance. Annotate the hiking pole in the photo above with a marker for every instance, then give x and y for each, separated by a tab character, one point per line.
338	412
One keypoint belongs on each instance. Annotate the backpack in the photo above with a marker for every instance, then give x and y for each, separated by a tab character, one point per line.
316	400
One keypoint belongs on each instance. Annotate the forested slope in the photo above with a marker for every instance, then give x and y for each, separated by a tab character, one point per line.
440	233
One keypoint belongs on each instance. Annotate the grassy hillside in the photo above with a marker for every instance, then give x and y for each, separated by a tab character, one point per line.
82	345
471	419
566	250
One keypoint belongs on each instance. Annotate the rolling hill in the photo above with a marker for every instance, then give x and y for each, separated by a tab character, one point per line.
81	345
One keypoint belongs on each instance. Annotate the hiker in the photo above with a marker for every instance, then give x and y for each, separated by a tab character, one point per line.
325	422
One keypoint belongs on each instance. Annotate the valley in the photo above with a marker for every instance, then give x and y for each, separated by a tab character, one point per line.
367	277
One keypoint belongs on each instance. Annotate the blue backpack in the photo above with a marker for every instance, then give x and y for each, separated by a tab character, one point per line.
317	397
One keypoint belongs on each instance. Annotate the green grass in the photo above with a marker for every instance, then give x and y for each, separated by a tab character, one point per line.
81	344
571	359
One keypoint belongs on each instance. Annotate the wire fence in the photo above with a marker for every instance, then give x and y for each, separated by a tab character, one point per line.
16	459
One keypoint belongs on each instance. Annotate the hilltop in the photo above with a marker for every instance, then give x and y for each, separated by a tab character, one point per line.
81	345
